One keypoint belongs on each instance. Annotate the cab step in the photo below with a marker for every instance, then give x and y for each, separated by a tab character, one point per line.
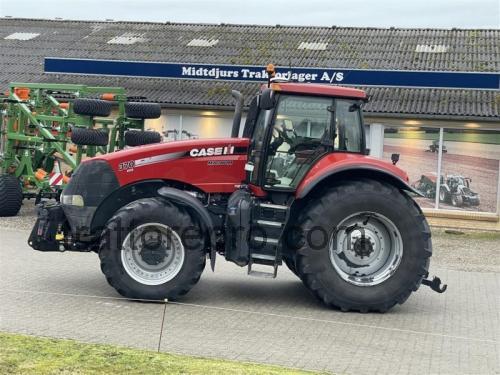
269	221
262	274
263	260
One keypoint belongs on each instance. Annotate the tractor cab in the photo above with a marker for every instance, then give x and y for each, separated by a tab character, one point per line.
291	126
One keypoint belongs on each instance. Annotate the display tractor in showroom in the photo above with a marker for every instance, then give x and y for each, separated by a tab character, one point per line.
46	130
296	188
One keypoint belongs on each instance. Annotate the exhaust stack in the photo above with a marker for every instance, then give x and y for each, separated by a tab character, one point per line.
238	97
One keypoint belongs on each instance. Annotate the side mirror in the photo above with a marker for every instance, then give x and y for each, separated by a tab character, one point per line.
267	99
354	107
394	159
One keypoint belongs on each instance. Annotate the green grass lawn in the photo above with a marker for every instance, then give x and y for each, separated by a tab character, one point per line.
21	354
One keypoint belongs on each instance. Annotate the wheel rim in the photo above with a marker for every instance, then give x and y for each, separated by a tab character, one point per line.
152	254
442	195
366	249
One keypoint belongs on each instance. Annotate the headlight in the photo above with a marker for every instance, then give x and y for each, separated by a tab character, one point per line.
72	200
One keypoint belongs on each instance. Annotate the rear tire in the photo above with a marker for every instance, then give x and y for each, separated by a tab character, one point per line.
166	268
135	138
395	260
11	195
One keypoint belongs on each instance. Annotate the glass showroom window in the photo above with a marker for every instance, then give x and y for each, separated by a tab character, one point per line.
467	165
418	149
469	170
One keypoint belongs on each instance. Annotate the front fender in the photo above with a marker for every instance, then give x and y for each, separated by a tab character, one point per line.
194	205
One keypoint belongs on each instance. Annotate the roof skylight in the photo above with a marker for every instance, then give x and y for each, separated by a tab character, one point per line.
128	38
22	36
202	42
431	48
314	46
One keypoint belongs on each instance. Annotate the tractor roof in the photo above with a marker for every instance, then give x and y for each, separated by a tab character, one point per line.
319	89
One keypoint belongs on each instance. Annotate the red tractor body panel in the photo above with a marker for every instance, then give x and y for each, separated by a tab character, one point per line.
341	161
211	165
218	165
318	89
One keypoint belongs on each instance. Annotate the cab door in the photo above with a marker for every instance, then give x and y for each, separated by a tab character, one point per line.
299	134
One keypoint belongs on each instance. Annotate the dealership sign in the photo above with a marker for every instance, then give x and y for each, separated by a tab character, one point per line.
248	73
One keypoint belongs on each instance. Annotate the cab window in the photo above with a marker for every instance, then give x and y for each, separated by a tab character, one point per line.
257	145
300	134
348	127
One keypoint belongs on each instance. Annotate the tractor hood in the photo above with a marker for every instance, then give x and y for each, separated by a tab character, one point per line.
212	165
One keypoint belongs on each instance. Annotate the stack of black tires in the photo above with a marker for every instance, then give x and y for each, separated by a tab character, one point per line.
102	108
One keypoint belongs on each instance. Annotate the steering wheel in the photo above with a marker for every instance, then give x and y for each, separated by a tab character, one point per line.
310	144
283	133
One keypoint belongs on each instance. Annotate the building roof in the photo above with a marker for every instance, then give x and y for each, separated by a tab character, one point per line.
25	42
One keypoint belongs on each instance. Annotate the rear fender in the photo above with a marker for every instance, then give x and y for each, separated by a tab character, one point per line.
345	173
195	206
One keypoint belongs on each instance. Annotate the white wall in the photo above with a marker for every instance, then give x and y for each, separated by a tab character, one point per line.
375	139
205	124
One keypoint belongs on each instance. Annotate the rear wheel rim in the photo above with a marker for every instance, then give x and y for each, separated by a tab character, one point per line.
442	195
366	249
152	254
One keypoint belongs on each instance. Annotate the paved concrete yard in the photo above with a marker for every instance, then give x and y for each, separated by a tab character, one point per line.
230	315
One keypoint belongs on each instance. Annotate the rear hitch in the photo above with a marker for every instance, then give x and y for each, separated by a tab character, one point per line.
434	284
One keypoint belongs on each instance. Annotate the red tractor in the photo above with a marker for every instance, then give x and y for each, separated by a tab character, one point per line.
297	187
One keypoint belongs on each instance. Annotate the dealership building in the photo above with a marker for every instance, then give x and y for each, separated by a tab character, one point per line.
434	93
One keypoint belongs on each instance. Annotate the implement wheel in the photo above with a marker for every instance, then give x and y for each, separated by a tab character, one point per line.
152	249
365	246
142	110
135	138
89	137
92	107
11	195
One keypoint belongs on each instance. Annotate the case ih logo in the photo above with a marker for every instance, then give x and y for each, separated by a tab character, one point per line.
211	151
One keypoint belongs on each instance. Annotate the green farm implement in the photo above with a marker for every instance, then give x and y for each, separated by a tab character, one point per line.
47	129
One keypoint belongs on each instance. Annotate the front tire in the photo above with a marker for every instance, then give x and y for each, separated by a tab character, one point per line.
365	246
152	249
